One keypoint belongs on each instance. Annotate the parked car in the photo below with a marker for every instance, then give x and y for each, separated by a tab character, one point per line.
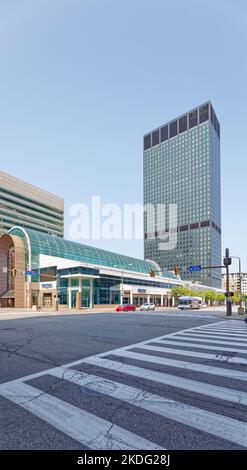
204	305
147	306
126	308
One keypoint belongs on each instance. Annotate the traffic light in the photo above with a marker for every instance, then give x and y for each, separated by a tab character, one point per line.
152	272
13	272
177	270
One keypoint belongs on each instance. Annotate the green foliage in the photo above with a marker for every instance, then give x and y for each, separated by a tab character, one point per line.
178	291
207	295
235	298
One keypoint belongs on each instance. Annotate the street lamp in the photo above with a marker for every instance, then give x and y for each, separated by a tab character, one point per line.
240	280
122	292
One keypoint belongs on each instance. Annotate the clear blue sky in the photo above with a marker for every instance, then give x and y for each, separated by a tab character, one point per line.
83	80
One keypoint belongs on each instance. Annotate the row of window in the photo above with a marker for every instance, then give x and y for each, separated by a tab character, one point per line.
190	120
183	228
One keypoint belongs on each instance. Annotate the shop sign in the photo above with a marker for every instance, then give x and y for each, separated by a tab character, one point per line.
46	285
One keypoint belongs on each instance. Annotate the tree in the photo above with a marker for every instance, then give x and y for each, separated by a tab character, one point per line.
235	298
178	291
210	295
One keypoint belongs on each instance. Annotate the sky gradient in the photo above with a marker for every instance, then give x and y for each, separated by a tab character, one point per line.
83	80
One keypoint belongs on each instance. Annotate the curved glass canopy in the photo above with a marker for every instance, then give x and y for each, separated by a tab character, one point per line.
41	243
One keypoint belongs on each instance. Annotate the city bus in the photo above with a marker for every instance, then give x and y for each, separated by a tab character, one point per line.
189	303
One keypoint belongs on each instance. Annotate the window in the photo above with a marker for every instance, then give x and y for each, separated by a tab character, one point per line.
193	226
183	124
203	113
147	142
164	133
205	223
218	127
155	137
193	119
213	117
173	128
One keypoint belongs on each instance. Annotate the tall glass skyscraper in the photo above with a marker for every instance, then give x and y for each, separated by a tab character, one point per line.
182	167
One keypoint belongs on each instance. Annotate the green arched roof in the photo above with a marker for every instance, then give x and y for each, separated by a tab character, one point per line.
42	243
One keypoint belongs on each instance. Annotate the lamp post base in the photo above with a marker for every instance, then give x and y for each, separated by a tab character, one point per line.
228	309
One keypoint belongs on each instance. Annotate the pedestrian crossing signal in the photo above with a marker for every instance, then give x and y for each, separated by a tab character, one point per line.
152	272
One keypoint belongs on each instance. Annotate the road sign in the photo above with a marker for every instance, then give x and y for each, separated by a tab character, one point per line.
195	268
31	273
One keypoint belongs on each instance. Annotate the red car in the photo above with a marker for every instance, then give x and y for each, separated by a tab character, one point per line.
126	308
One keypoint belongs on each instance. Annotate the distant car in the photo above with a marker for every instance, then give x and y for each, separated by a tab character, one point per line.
147	306
204	305
126	308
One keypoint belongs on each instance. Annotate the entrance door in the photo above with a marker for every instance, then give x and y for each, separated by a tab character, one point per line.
47	300
85	296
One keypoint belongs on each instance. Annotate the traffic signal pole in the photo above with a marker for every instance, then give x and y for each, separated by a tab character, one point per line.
227	262
228	301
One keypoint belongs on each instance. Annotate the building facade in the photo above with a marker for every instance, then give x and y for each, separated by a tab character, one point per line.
182	167
35	267
27	206
234	282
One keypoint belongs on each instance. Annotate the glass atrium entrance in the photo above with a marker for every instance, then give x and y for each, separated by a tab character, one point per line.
80	290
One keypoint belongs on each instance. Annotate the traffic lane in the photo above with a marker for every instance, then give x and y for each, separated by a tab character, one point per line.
31	345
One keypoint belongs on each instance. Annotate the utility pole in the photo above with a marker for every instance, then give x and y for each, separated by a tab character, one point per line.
227	263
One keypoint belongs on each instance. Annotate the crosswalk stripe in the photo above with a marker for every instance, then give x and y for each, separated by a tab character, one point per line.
221	328
225	330
189	353
207	421
93	432
222	393
219	334
203	346
98	433
218	371
191	338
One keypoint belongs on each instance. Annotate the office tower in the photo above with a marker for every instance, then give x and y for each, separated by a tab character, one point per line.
182	167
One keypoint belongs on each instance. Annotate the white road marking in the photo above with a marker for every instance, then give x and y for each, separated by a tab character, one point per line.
225	329
92	431
207	421
222	393
217	334
218	371
191	338
203	346
98	433
183	352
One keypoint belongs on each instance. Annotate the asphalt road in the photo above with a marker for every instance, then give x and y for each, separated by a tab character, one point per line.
181	390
